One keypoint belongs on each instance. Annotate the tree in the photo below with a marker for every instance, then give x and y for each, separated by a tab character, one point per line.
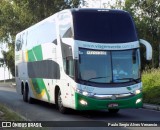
1	62
118	4
8	59
17	15
146	14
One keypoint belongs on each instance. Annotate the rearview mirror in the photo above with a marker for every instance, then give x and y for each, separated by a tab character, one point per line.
148	49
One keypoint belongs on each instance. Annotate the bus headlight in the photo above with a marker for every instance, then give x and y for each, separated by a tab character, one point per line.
85	93
89	94
137	92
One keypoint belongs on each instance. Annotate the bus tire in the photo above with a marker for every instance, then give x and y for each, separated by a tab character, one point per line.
30	100
22	88
25	95
61	108
113	111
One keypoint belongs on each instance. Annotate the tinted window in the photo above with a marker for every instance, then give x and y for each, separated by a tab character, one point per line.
18	43
126	65
109	66
95	66
43	69
104	27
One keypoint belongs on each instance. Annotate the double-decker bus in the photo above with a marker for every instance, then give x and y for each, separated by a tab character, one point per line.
83	59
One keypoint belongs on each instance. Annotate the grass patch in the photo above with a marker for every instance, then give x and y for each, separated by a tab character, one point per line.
9	115
151	86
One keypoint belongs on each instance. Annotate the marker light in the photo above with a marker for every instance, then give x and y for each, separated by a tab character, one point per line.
138	100
83	102
137	91
85	93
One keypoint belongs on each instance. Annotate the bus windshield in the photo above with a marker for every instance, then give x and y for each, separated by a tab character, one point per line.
104	27
109	66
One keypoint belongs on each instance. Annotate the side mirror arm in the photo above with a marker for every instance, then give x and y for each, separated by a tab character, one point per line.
148	49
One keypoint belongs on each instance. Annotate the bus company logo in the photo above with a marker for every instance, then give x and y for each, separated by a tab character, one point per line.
113	97
111	47
129	88
133	87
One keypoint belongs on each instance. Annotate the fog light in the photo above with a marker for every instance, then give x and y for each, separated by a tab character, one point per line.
138	100
83	102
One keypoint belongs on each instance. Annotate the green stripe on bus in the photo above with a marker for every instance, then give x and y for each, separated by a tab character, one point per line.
35	54
30	56
38	52
39	86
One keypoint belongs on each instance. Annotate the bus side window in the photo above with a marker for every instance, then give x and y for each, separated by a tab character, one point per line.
70	66
18	43
68	63
23	40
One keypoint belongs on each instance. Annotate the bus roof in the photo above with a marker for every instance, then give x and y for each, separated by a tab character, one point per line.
103	26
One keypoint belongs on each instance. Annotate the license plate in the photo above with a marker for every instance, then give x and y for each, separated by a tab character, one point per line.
113	105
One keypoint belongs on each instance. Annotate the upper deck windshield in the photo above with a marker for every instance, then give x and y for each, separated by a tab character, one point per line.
109	66
103	26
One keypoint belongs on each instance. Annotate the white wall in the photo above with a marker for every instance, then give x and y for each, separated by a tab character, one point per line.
7	73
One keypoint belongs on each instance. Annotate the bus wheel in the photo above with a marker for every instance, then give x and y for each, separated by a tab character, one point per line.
61	108
114	111
25	95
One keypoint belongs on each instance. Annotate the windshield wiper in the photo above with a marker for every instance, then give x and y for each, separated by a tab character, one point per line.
130	79
97	78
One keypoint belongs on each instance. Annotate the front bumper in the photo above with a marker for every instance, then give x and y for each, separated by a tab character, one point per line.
100	104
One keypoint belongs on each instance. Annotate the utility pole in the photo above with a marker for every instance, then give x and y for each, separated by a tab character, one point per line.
2	64
4	72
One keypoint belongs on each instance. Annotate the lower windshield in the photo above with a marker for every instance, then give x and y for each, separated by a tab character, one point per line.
109	66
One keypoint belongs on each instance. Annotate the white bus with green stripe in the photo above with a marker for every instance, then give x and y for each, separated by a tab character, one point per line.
83	59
